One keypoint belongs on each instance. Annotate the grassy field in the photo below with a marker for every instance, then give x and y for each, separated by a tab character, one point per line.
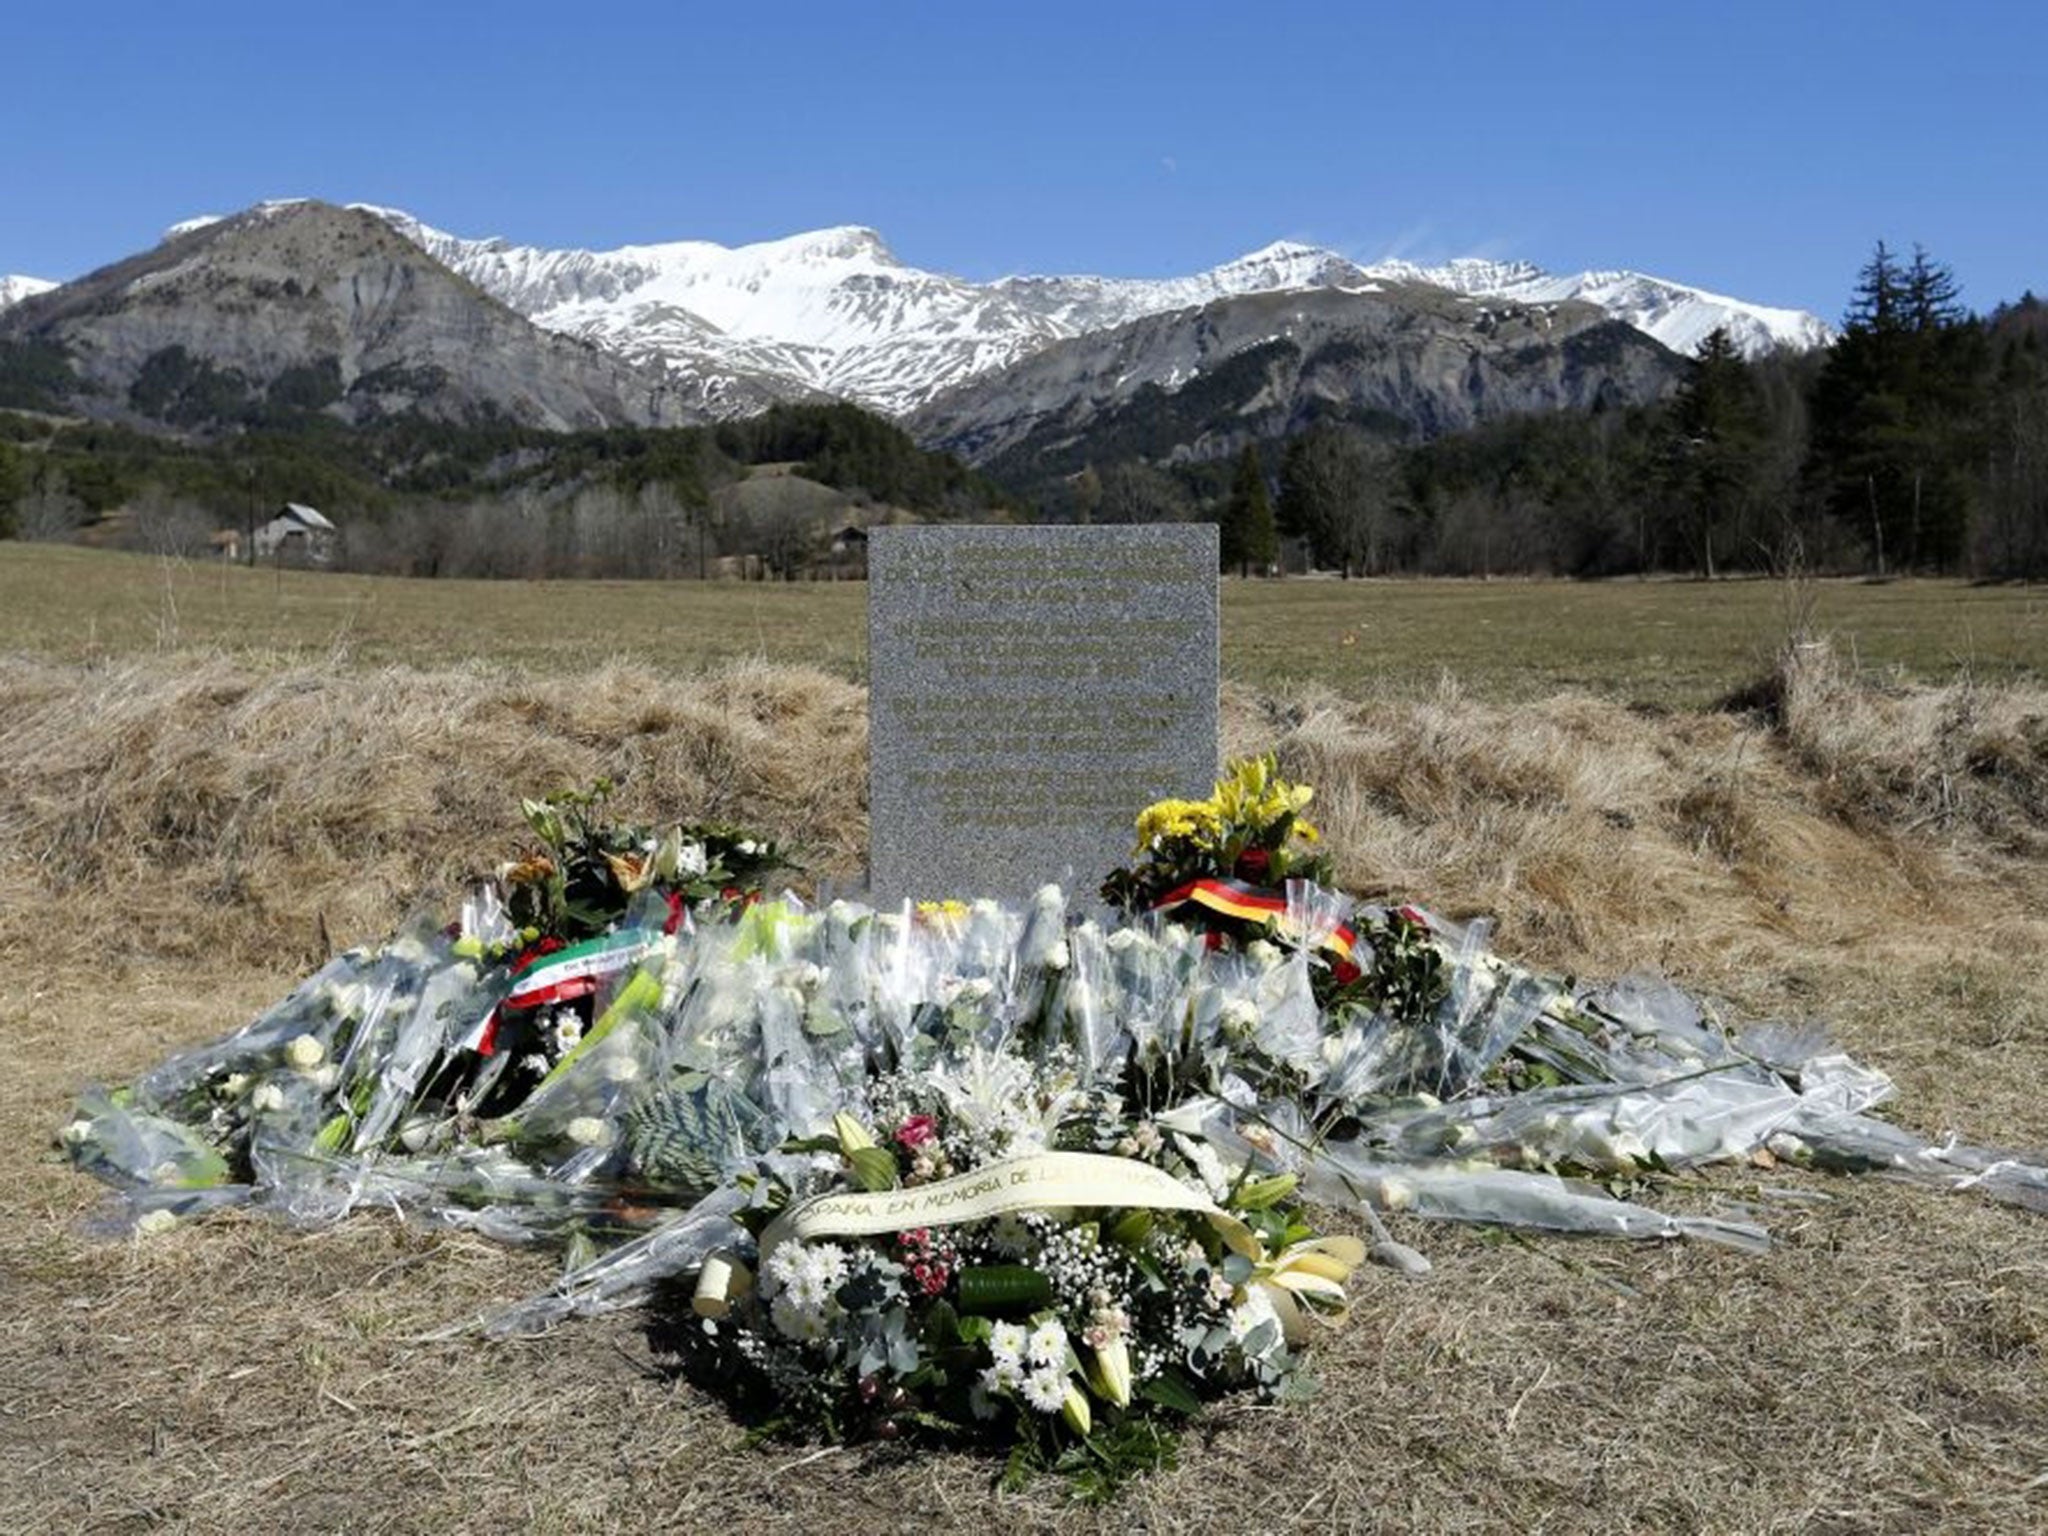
209	777
1666	642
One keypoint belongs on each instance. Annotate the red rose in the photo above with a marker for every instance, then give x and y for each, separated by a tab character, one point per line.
916	1131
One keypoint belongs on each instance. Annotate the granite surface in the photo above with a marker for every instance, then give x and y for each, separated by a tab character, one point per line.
1030	690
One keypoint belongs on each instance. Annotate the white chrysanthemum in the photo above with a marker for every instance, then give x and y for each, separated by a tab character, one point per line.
154	1223
1007	1342
268	1098
1048	1345
797	1322
1046	1390
808	1274
305	1053
589	1131
1010	1236
566	1027
780	1266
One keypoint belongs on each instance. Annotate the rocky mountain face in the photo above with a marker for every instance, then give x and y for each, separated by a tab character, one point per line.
307	307
1408	359
834	313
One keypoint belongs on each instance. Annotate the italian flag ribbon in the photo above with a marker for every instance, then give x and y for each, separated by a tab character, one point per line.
562	975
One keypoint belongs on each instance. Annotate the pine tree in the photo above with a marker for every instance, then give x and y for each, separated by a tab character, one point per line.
1896	413
1720	424
1248	536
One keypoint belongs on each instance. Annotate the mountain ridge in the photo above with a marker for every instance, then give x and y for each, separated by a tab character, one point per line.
301	308
833	312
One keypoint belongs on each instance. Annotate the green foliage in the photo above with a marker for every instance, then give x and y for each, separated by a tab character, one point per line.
1248	537
35	376
590	871
187	391
12	483
853	450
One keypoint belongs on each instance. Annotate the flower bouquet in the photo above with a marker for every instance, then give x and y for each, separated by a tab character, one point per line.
967	1171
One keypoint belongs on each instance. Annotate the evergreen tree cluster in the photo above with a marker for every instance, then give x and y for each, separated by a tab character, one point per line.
1917	442
406	474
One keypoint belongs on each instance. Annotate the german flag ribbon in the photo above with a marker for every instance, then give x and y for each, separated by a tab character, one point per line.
1252	904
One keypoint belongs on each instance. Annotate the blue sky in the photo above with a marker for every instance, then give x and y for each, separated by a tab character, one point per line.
1753	149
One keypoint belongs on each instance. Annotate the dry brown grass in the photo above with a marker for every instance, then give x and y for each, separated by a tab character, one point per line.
174	829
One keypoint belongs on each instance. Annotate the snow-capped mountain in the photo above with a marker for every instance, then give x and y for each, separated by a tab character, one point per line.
833	312
1676	314
14	289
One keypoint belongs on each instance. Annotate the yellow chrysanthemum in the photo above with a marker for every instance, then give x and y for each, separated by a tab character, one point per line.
1168	819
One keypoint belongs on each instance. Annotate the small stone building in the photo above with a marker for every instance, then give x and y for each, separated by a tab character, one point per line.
296	534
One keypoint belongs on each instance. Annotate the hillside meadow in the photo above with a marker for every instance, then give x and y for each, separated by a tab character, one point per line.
208	778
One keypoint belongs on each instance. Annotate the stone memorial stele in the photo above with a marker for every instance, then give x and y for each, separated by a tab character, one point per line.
1030	691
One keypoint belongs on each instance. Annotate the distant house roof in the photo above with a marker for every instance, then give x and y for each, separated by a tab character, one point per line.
307	516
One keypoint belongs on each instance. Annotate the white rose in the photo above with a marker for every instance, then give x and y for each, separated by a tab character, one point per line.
1263	953
621	1069
1240	1018
1393	1194
235	1085
324	1078
589	1131
267	1098
305	1053
1056	955
77	1132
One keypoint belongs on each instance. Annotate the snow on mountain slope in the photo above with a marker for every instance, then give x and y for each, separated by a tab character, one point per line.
14	289
834	313
1676	314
